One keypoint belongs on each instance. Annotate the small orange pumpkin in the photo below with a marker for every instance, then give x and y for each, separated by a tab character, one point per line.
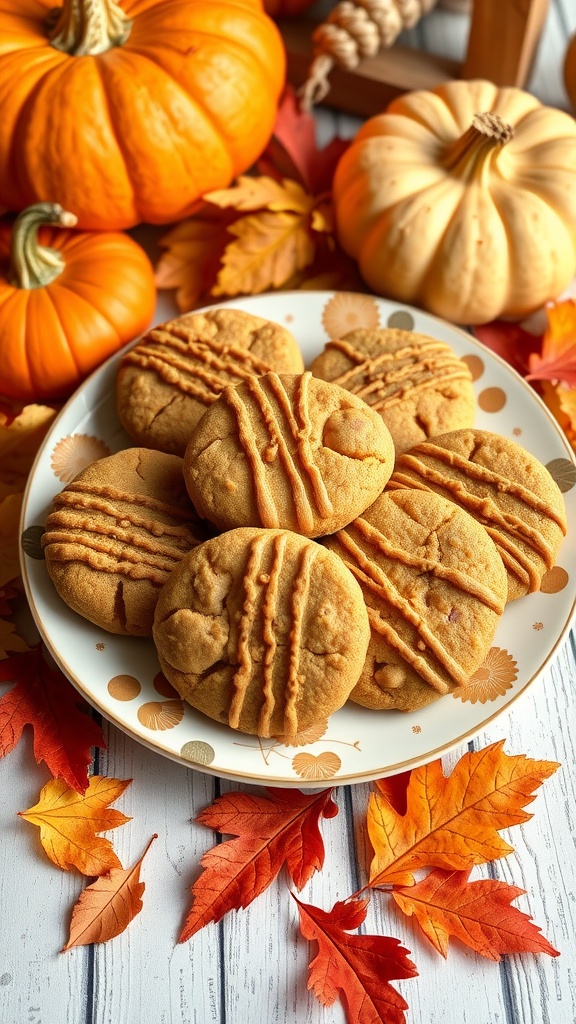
68	300
130	112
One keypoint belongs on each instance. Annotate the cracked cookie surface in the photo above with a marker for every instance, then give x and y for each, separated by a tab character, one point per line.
504	487
177	370
287	451
262	630
435	589
115	534
416	383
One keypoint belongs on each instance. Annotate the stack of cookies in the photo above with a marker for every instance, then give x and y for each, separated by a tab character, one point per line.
295	539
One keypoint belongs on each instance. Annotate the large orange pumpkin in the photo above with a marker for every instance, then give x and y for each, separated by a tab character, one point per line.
68	300
130	113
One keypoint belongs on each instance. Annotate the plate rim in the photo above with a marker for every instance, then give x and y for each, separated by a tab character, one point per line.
350	778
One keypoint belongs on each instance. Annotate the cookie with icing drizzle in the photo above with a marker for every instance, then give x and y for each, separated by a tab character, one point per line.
417	384
176	371
115	534
504	487
263	630
435	589
287	451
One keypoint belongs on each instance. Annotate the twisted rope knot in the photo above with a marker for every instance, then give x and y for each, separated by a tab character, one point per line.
353	31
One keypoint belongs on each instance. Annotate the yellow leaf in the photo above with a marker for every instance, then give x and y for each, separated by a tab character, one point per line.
323	218
453	822
10	509
191	261
20	439
270	247
263	193
107	907
68	823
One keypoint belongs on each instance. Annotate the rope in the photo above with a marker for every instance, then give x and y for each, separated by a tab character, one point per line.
353	31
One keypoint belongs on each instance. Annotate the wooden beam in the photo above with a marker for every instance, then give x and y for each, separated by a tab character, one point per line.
504	35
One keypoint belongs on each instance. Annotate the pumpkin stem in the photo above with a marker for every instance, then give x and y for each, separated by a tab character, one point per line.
33	265
83	27
471	154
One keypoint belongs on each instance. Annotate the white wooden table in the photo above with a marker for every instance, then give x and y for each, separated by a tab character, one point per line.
253	966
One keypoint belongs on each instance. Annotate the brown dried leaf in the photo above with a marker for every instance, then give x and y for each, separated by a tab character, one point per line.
269	248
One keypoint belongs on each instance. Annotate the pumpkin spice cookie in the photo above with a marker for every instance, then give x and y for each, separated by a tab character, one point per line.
116	533
417	384
435	588
504	487
168	380
263	630
290	452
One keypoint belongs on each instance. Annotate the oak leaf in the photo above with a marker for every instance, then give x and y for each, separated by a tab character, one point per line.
453	822
44	699
68	823
263	193
106	908
360	967
268	249
275	830
478	913
557	361
394	789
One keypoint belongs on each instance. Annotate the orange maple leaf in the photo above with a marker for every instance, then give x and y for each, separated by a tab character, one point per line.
68	823
358	966
268	249
275	830
263	193
453	822
194	249
557	361
478	913
106	908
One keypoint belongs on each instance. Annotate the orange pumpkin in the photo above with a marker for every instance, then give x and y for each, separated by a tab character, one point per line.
130	113
68	300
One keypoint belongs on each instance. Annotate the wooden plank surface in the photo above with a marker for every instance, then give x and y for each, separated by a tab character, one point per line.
252	968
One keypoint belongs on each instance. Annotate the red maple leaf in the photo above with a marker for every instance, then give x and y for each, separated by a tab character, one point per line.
46	700
511	342
272	831
478	913
293	150
358	966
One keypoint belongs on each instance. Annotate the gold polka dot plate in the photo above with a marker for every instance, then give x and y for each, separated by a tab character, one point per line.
120	676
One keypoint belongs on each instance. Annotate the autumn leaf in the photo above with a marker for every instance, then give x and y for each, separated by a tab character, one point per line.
394	790
106	908
293	149
511	342
453	822
275	830
10	641
68	823
270	247
562	404
10	509
359	967
557	361
478	913
194	249
21	432
263	193
44	699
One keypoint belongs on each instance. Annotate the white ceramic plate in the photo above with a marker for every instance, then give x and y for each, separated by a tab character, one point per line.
120	675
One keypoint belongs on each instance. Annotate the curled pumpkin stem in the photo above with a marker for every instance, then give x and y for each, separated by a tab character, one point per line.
33	265
88	27
353	31
471	154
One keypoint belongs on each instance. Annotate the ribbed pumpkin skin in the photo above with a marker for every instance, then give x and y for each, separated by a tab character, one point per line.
51	338
139	132
570	71
497	240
